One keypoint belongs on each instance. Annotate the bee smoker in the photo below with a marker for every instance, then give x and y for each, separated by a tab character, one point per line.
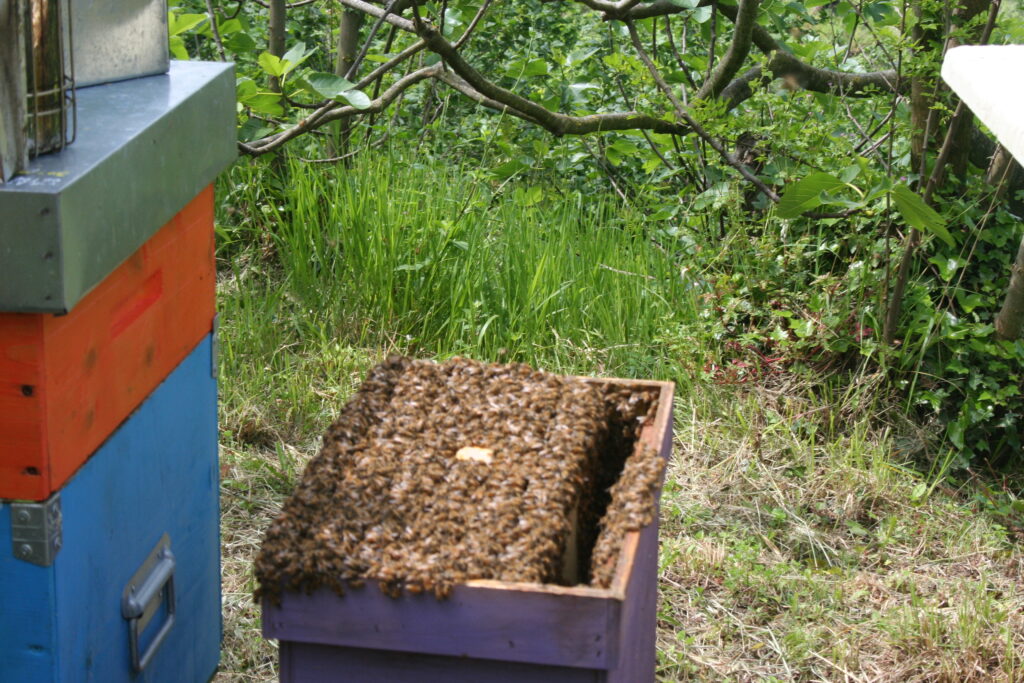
37	103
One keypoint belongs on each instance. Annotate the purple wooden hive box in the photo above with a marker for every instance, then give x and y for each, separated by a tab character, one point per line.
486	631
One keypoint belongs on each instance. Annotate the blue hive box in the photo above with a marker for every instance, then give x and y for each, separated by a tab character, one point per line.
123	582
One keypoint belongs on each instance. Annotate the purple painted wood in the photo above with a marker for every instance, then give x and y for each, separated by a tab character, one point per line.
486	630
305	663
637	645
543	627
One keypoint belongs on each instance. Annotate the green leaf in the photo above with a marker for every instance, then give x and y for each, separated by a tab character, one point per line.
253	129
240	43
619	151
296	56
245	87
919	215
701	14
357	98
179	23
177	47
805	194
328	85
229	26
272	64
521	69
266	103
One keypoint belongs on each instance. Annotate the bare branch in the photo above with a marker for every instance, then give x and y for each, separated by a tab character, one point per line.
300	3
272	142
739	48
472	25
558	124
357	62
216	31
781	62
380	13
803	75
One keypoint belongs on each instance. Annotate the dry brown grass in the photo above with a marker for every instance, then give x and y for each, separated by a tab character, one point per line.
796	550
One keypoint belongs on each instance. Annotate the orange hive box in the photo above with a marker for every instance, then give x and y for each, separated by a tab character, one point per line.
67	382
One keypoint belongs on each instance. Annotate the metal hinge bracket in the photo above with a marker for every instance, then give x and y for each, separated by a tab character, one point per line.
36	530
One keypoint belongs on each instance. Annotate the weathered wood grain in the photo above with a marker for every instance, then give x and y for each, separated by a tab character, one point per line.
304	662
13	142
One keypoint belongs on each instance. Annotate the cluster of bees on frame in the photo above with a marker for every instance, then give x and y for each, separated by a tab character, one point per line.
390	499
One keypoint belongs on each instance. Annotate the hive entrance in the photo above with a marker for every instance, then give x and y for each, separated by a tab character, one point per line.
435	474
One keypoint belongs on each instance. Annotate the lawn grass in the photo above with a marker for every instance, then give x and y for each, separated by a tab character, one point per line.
798	542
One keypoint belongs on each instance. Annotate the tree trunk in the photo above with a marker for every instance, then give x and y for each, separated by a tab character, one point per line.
964	13
348	48
1010	320
276	29
920	102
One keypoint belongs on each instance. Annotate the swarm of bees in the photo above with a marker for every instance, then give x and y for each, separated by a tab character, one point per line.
552	471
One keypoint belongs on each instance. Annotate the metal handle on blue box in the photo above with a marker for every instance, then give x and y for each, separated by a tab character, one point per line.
151	585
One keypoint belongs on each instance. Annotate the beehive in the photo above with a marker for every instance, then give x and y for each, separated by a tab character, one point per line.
502	603
109	554
155	476
66	382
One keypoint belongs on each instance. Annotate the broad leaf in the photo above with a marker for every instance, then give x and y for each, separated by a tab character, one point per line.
296	56
328	85
177	48
272	64
805	194
357	98
919	215
179	23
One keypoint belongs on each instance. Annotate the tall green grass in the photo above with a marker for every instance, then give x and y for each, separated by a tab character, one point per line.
388	255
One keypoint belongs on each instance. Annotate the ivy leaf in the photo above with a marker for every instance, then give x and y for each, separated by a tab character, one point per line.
805	194
919	215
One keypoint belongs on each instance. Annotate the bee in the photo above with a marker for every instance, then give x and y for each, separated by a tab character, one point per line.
387	500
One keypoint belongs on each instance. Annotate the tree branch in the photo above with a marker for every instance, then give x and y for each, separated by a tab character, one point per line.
807	77
739	48
697	128
270	143
558	124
